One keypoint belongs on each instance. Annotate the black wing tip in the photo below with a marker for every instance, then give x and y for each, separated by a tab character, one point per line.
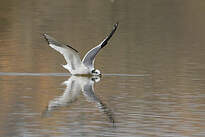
44	34
110	35
50	39
115	27
46	37
116	24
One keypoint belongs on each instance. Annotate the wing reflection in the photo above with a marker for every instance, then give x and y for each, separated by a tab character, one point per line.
74	86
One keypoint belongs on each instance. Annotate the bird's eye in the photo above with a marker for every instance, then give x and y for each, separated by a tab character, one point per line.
93	71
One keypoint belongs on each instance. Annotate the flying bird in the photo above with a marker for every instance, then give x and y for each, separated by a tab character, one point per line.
74	64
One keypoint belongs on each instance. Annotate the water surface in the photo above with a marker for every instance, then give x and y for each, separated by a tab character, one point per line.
153	82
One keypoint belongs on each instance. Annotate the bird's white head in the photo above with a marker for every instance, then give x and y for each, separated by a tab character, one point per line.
95	72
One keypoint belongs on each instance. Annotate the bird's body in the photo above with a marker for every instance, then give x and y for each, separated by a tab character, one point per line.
74	63
81	70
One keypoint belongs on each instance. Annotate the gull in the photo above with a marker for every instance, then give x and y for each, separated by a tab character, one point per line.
74	64
74	86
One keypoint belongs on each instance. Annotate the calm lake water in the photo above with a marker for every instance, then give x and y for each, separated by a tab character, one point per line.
153	66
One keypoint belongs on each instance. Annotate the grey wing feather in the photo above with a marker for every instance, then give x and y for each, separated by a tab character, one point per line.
89	93
70	54
90	96
51	40
89	58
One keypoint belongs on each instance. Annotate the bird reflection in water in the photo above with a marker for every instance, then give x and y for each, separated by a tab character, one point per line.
74	86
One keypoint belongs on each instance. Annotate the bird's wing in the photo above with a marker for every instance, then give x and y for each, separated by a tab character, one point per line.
89	58
88	92
70	54
71	92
